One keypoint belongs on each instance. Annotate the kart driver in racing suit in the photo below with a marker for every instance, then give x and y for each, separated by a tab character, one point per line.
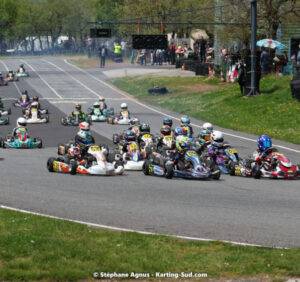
217	144
102	104
35	100
144	129
33	105
129	137
124	108
78	109
185	123
165	131
21	67
182	142
21	123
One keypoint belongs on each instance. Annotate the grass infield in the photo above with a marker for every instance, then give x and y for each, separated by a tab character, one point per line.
274	113
39	248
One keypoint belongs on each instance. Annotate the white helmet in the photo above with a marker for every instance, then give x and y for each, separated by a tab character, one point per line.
21	122
207	126
34	104
96	105
101	99
85	126
217	138
124	106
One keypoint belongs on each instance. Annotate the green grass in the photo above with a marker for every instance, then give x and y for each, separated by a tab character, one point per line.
38	248
274	113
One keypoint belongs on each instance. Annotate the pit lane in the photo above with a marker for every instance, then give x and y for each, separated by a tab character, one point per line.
264	212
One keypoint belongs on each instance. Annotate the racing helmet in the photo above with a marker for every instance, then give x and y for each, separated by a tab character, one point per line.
78	107
264	142
168	121
21	66
101	99
34	105
130	136
179	131
205	134
182	142
217	138
185	120
207	126
96	105
25	92
35	98
21	122
124	106
83	138
145	128
165	130
85	126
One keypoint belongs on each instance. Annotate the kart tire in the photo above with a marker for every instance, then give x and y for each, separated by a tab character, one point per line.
231	168
256	173
146	167
119	163
157	90
148	152
73	167
1	143
50	164
116	138
9	111
215	175
41	143
169	172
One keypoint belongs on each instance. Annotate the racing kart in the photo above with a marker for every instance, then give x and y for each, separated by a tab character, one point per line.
4	121
22	141
74	120
99	115
23	102
124	120
4	111
117	137
21	73
3	82
98	166
274	165
34	116
190	167
11	76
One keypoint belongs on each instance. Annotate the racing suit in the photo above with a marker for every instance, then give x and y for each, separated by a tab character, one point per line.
189	130
14	132
81	115
103	107
261	158
121	114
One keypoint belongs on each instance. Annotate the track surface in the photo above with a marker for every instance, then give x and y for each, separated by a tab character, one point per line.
264	212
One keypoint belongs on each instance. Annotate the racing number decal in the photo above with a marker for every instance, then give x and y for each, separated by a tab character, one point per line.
133	147
56	166
232	151
150	169
191	154
168	138
95	148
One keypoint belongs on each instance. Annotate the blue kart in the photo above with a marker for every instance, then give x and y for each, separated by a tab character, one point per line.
21	141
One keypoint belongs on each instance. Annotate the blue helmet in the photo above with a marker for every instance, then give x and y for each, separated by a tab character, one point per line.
130	135
168	121
264	142
185	120
179	131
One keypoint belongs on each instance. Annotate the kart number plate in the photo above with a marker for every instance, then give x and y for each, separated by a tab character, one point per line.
24	97
147	136
56	166
34	110
21	128
168	138
232	151
191	154
133	147
95	148
125	113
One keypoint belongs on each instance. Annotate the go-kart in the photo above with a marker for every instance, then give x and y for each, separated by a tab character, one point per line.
164	143
133	159
117	137
4	111
3	82
98	166
22	141
224	158
74	120
34	116
23	102
4	121
274	165
125	119
22	73
100	115
11	76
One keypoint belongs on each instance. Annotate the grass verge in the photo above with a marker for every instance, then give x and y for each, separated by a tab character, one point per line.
274	113
34	248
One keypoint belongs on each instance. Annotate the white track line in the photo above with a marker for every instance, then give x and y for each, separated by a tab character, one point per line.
162	113
15	84
69	98
50	87
89	89
132	230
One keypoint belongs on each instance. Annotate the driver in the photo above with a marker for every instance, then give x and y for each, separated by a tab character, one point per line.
264	142
182	143
79	112
35	100
21	124
21	67
25	93
168	121
102	104
185	123
124	111
129	137
96	109
217	143
144	129
165	131
204	138
33	105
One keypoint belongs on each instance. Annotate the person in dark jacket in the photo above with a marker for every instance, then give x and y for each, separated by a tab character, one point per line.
102	53
264	61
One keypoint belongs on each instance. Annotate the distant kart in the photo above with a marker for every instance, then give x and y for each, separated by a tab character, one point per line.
23	102
11	76
21	141
4	111
21	73
32	116
100	115
4	121
124	120
274	165
3	82
74	121
99	166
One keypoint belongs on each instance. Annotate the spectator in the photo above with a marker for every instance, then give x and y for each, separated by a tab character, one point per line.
265	61
172	53
102	53
185	51
202	45
298	56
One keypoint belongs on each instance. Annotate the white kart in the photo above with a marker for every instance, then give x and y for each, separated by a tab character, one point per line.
133	160
124	120
34	117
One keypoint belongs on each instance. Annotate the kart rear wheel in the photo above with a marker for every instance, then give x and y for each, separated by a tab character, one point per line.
116	138
256	171
73	168
9	111
40	145
50	164
169	172
216	172
146	167
231	168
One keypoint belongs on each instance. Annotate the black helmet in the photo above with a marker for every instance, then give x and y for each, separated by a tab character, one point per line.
145	128
130	135
165	130
35	98
168	121
78	107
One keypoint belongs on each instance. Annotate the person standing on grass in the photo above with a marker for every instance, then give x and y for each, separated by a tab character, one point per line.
103	53
265	61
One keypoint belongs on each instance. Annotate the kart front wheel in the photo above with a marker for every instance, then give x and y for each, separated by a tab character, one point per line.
215	172
50	164
256	171
231	169
146	167
73	168
169	172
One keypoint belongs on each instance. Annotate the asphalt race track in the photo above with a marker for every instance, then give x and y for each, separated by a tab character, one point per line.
263	212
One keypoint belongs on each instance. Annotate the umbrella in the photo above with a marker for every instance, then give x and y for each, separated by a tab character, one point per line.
270	43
